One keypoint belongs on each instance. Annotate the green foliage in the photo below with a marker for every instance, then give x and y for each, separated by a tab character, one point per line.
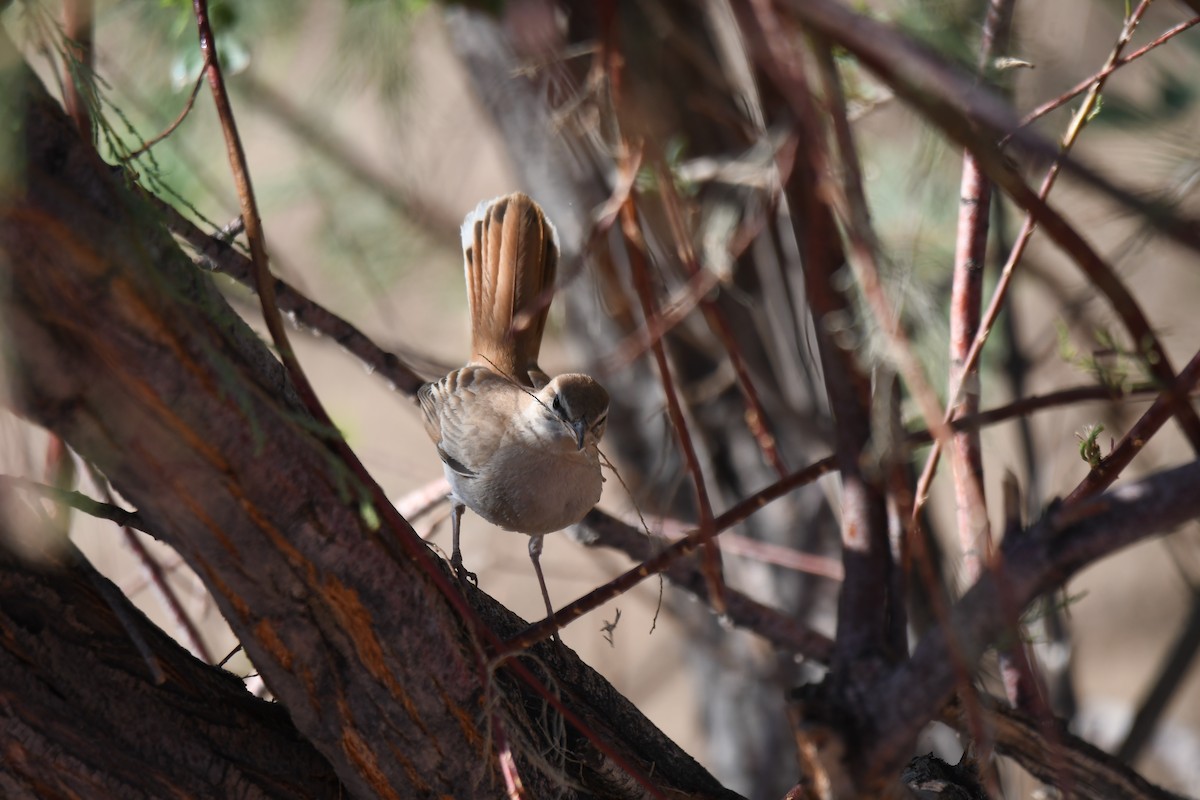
1089	450
673	156
369	515
1110	363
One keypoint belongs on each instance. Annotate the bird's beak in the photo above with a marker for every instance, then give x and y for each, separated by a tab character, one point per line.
580	428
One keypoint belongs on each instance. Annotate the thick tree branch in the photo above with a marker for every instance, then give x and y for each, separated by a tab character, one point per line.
1043	558
129	353
83	716
1061	759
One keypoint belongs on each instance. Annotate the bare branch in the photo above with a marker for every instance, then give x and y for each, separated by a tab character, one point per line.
222	256
1089	772
1042	559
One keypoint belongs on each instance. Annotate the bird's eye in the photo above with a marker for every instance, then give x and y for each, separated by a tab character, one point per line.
557	404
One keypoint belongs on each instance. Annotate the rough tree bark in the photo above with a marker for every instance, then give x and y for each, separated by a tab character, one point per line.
123	348
87	713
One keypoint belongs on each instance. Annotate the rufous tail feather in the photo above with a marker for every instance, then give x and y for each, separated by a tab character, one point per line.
511	258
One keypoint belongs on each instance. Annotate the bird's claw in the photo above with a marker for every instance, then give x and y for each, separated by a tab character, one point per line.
461	572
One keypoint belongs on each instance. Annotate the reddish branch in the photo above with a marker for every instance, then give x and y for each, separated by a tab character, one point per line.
641	279
718	322
1109	69
661	562
966	293
635	248
175	123
1078	121
255	236
158	579
1110	467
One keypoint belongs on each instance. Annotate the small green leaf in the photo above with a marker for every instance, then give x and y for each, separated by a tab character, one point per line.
370	516
1089	450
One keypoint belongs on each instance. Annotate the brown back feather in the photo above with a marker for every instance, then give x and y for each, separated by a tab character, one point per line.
511	258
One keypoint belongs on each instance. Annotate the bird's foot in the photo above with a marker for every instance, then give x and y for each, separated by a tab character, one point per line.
461	572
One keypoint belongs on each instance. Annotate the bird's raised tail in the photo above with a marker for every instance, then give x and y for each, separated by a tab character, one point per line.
511	258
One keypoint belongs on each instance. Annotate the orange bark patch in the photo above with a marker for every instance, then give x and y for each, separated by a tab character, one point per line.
265	633
363	757
357	622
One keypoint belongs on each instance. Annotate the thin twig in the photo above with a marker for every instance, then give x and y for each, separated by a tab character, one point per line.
218	253
661	562
1109	69
187	109
79	502
131	621
1100	273
1101	477
628	162
635	245
158	578
674	311
718	322
255	236
782	630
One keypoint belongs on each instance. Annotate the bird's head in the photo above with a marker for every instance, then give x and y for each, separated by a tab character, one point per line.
579	403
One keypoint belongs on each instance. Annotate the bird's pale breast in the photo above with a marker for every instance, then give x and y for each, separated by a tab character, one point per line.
532	490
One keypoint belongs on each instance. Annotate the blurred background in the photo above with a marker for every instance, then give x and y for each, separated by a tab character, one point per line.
373	126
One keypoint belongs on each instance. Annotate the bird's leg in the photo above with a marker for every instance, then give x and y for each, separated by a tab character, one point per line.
535	555
456	512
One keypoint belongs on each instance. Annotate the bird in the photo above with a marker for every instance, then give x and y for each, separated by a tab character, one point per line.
518	448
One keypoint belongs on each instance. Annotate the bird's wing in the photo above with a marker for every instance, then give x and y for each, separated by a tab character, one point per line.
467	415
